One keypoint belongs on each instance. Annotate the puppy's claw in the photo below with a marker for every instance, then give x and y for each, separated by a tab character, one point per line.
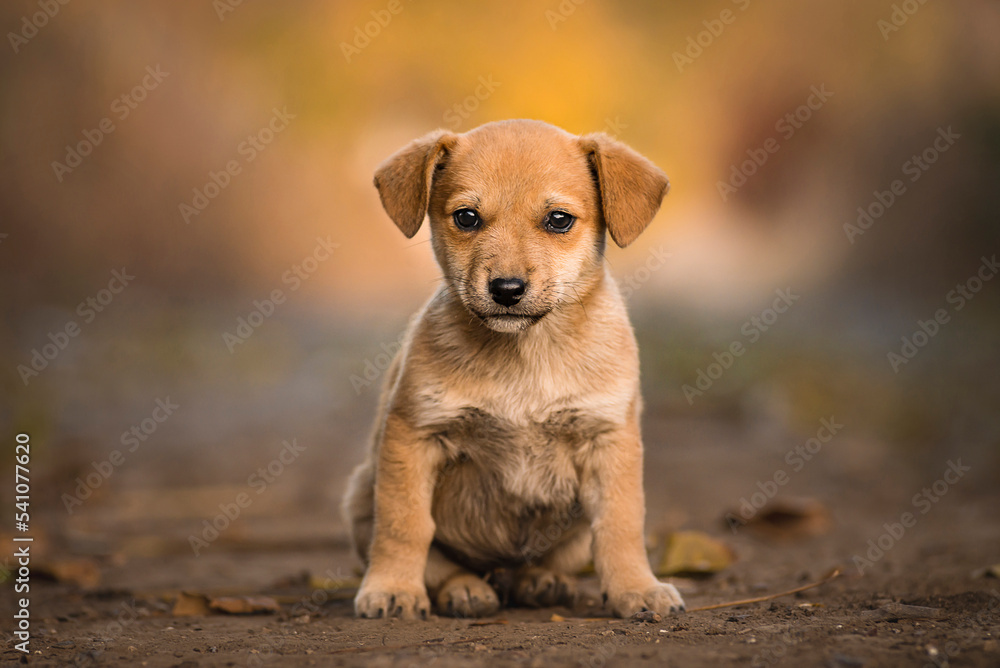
661	598
374	602
538	588
467	595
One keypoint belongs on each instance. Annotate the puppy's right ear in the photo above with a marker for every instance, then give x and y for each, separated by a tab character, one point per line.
631	187
404	179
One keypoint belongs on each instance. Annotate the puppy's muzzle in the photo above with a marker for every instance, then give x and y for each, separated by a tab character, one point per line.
507	291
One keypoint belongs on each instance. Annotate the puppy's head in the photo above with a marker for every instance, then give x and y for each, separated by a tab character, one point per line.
518	212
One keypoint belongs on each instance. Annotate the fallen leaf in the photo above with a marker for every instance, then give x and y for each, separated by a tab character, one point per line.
557	618
785	518
694	552
245	605
302	578
191	605
988	572
894	611
329	584
647	616
79	571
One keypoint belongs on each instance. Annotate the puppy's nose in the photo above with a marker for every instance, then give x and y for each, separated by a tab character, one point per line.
506	291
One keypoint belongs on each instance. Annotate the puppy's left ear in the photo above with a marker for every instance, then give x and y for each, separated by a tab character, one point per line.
631	187
404	179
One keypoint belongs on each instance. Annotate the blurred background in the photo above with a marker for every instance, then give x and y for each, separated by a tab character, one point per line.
219	151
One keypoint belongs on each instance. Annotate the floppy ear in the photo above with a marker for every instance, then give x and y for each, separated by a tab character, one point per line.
631	187
404	179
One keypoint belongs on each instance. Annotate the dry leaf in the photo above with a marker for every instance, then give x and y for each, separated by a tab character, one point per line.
988	572
489	622
895	611
245	605
786	518
300	579
191	605
557	618
79	571
334	584
694	552
647	616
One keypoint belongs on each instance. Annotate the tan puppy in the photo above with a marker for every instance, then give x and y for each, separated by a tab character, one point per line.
508	428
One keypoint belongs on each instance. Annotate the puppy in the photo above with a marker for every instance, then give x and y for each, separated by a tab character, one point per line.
508	428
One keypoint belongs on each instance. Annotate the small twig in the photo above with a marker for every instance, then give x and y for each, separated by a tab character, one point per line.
760	599
393	648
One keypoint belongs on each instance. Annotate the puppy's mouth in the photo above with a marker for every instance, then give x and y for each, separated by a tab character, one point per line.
533	317
508	321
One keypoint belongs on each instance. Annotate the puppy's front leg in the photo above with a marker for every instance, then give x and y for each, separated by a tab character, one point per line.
612	495
405	475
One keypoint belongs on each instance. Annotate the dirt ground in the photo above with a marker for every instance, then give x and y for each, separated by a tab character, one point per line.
696	471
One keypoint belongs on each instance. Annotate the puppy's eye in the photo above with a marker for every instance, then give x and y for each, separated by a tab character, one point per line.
467	219
559	221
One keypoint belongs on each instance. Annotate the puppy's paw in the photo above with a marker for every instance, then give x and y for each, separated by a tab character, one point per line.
466	595
536	587
379	599
661	598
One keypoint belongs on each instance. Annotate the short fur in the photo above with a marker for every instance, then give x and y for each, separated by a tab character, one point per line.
508	436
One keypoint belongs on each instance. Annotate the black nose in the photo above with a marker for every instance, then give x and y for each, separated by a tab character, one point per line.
506	291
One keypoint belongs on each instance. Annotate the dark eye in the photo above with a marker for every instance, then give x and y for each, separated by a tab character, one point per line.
467	219
559	221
